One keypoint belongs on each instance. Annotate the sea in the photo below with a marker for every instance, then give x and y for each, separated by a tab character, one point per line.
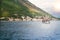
29	30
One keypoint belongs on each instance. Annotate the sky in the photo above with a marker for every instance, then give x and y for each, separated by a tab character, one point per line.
50	6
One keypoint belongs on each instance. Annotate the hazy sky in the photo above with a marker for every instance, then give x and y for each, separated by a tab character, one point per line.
51	6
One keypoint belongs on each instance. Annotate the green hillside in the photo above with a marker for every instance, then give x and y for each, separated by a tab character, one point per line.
11	7
18	8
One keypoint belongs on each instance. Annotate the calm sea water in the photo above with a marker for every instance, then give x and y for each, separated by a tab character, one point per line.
29	30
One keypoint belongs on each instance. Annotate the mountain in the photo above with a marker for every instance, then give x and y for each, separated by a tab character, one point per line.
18	8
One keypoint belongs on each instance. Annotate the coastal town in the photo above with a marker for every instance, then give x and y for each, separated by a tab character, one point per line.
27	18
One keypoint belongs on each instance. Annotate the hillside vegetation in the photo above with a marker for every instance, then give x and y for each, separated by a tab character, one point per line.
18	8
